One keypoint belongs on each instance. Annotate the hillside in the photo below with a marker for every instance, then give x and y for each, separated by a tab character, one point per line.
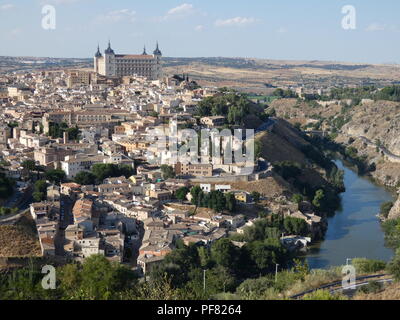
244	74
261	75
365	127
389	292
303	168
19	240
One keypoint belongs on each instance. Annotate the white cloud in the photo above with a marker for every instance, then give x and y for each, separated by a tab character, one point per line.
237	21
117	16
6	6
199	28
182	10
376	27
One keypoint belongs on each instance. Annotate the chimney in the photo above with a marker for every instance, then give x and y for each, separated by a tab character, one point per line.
65	137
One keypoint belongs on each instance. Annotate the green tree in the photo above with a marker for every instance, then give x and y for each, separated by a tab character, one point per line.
263	257
6	186
29	165
85	178
70	278
38	196
103	171
55	175
224	253
181	193
217	201
296	226
256	196
230	202
205	258
196	194
318	198
101	278
167	171
73	133
371	287
258	149
369	266
394	266
40	190
385	208
219	279
156	289
297	198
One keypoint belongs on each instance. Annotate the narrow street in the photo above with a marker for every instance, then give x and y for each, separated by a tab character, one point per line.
66	219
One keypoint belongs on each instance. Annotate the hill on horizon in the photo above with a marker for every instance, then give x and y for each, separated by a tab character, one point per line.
244	74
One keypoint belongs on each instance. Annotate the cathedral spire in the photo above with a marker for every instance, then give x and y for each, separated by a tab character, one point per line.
98	53
157	52
109	50
144	51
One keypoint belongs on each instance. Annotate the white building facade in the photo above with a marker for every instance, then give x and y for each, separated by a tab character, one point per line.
120	65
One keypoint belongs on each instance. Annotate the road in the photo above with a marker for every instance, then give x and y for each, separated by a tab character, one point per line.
359	285
66	217
11	219
337	285
18	200
368	142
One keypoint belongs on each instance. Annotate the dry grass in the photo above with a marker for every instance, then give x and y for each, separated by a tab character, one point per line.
19	240
270	187
391	292
316	279
281	73
277	149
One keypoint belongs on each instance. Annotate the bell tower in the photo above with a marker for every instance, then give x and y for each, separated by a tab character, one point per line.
97	58
109	61
157	68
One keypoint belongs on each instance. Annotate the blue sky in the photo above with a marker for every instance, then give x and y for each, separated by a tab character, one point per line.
284	29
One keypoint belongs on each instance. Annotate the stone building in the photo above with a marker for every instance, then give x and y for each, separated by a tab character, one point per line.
121	65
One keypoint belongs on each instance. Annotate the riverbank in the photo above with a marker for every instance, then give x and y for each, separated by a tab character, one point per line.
354	230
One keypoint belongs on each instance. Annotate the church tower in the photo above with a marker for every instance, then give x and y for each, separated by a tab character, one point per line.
97	57
109	61
157	55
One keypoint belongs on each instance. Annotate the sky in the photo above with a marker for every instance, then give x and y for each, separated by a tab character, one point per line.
269	29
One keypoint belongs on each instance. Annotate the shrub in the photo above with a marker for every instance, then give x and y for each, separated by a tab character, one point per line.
371	287
385	208
323	295
364	265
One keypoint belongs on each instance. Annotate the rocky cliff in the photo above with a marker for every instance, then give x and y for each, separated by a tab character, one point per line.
395	211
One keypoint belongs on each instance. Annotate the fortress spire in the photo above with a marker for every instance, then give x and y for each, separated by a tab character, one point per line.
98	53
157	52
109	50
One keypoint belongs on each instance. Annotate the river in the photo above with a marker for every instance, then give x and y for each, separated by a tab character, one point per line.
354	231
